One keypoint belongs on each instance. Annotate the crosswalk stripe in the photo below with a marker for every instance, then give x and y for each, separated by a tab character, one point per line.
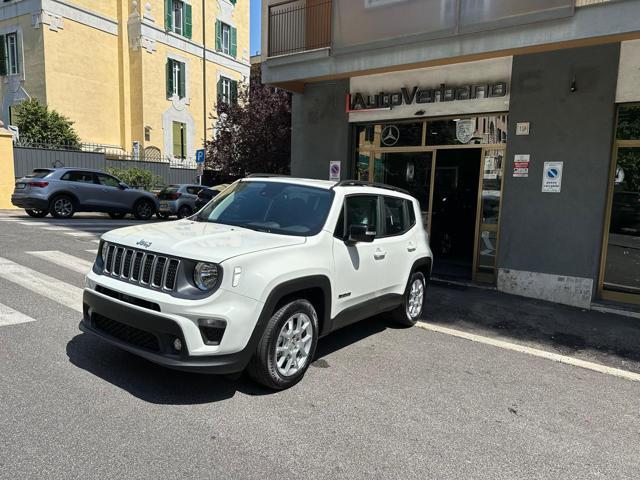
64	260
42	284
92	250
95	241
60	229
81	234
9	316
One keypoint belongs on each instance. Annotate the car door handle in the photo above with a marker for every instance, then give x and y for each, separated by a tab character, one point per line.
411	247
379	254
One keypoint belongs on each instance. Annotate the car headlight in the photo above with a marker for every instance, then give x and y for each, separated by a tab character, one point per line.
205	276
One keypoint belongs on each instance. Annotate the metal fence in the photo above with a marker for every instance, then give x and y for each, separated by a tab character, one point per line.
28	158
299	25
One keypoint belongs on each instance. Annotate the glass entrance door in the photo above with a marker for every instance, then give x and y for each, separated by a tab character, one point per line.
620	272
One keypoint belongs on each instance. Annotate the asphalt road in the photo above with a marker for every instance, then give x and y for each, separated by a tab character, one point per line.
379	402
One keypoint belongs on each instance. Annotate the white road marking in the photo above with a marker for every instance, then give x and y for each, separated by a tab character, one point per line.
596	367
92	250
42	284
81	234
64	260
95	241
57	229
9	316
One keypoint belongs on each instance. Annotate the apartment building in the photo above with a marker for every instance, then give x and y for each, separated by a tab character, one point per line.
141	75
516	125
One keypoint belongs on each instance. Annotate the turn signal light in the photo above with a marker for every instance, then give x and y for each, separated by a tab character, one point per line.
39	184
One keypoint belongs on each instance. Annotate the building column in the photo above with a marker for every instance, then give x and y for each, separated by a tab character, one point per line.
7	169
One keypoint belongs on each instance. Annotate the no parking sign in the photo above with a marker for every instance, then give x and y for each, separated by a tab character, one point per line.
552	177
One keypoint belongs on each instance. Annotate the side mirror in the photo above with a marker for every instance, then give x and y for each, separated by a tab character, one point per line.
361	233
122	186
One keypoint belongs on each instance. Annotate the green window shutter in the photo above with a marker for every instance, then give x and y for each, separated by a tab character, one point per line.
182	91
168	14
233	1
219	90
234	91
218	36
3	55
187	27
169	78
234	42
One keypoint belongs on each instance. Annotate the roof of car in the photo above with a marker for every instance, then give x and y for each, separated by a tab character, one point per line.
328	184
64	169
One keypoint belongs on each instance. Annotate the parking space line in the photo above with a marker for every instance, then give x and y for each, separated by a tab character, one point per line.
9	316
596	367
64	260
42	284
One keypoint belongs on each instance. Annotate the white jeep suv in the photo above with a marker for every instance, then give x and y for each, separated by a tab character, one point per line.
255	278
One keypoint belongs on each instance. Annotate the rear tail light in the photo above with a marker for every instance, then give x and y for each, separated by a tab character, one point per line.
39	184
174	196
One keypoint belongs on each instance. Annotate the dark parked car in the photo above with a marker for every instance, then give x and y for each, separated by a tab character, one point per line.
206	194
64	191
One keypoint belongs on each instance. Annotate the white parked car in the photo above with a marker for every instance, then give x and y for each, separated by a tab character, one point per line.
255	278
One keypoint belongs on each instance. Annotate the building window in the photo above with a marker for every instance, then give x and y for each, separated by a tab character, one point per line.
179	140
227	90
178	17
226	39
9	59
176	79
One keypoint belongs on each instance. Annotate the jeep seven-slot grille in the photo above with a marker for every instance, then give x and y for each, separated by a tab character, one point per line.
142	268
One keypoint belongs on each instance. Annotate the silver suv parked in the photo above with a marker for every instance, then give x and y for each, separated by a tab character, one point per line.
179	200
64	191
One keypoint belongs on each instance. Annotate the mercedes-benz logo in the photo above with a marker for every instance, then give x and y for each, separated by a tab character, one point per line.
390	135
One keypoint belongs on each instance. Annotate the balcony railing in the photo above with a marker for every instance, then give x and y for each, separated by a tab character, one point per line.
298	26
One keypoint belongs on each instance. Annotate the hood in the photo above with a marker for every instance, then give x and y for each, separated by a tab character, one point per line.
203	241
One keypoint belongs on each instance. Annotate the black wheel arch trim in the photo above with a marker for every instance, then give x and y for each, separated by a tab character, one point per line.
61	193
422	262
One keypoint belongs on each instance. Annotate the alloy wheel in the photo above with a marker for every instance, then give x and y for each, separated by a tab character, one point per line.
294	345
63	207
416	297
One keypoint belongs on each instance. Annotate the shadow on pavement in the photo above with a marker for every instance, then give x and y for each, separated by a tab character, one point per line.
156	384
607	337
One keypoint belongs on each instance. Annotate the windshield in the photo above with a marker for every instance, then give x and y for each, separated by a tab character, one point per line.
40	173
273	207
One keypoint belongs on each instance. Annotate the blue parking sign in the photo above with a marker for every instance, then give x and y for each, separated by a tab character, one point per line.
200	156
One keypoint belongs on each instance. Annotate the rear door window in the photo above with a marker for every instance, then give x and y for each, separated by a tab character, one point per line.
395	216
78	176
193	190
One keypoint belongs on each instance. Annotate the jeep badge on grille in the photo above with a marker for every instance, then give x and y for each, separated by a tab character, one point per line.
144	244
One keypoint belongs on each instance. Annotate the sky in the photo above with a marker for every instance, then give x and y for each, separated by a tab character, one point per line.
256	7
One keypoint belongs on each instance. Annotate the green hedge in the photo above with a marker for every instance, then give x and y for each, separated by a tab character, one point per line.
137	177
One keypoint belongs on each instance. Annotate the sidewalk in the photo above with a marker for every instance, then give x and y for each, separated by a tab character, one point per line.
604	338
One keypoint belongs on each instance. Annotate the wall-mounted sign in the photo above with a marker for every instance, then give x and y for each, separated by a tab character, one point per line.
522	128
465	128
552	177
521	166
334	170
359	102
390	135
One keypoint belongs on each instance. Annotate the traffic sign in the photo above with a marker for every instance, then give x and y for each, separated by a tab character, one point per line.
200	156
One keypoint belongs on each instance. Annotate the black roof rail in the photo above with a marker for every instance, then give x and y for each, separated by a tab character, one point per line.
265	175
360	183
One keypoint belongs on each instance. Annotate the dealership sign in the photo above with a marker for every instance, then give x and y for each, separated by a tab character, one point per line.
362	102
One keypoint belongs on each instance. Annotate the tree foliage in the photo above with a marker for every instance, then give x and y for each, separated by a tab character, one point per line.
137	177
252	135
38	124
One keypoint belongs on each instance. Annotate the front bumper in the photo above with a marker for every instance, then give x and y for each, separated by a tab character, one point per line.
151	335
29	202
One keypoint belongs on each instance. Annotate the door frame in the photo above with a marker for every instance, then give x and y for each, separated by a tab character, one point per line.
601	292
476	276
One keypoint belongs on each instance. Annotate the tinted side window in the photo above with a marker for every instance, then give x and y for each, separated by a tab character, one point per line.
361	210
395	217
107	180
193	190
82	177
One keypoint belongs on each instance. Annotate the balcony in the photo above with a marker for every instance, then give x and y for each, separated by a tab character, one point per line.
298	26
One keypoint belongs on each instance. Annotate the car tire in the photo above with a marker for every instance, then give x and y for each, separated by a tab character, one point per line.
62	206
32	212
162	215
144	209
287	346
184	211
412	301
117	215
